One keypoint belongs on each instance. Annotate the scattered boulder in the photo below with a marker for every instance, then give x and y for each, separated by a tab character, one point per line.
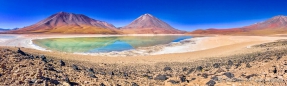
160	77
182	78
229	75
90	70
112	73
184	69
211	83
62	63
275	70
216	65
75	67
199	68
134	84
173	81
102	84
190	70
44	59
21	52
215	78
248	65
92	75
204	75
167	69
229	63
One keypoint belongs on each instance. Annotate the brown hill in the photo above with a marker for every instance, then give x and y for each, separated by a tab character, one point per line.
275	25
63	22
148	24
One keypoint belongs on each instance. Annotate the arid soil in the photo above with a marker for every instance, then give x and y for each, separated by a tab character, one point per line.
266	66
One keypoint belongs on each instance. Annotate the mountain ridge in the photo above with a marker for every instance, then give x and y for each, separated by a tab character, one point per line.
274	25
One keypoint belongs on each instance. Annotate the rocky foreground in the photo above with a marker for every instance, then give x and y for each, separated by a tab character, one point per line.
265	67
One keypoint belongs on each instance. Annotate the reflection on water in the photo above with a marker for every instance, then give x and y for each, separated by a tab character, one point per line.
104	44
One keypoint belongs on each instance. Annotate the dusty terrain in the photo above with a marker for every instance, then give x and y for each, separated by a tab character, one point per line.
216	61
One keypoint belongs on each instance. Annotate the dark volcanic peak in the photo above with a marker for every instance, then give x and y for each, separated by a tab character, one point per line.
147	21
63	22
64	18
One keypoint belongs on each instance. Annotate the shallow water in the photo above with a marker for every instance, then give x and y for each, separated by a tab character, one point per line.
104	44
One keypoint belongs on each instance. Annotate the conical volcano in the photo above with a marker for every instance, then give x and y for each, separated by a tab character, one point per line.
148	24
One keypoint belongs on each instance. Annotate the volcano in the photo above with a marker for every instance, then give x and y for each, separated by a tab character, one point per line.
70	23
148	24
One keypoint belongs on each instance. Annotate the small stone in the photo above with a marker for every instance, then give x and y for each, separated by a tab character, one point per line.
160	77
92	75
211	83
75	67
184	69
134	84
229	63
173	81
102	84
204	75
215	78
216	65
182	78
62	63
199	68
229	75
248	65
167	69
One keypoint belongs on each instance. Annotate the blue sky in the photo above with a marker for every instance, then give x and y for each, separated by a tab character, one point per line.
182	14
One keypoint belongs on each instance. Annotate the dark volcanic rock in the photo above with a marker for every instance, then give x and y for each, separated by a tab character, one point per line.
229	75
204	75
167	69
90	70
229	63
62	63
134	84
211	83
75	67
215	78
21	52
216	65
190	70
102	84
182	78
248	65
92	75
184	69
173	81
199	68
160	77
44	59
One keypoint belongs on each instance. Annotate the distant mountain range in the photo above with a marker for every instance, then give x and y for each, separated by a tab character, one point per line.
275	25
71	23
3	30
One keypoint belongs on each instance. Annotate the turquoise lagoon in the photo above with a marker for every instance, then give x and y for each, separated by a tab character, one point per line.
104	44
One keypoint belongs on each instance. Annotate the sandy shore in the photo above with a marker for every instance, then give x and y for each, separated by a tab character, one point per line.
207	47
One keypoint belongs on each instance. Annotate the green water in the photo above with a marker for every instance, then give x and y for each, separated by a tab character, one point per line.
104	44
